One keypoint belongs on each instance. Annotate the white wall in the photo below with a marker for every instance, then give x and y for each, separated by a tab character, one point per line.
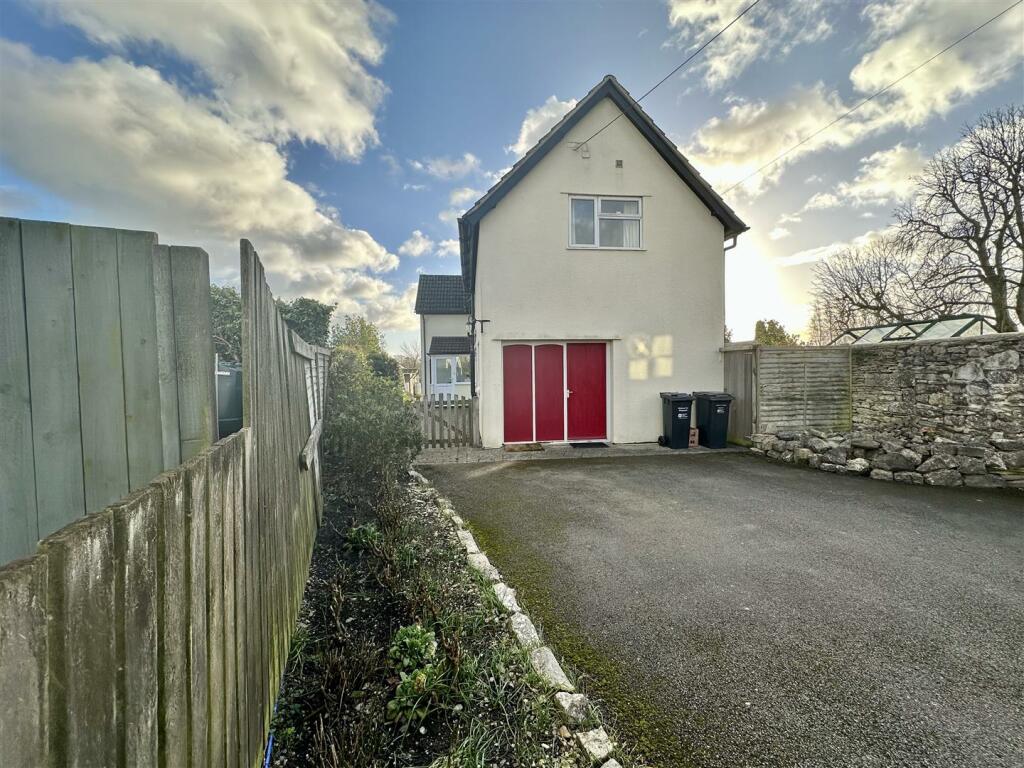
440	325
662	310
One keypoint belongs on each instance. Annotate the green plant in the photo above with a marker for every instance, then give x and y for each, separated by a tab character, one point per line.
309	318
412	647
417	695
371	433
364	538
226	322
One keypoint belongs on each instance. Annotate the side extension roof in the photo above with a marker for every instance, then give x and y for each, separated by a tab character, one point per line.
469	222
441	295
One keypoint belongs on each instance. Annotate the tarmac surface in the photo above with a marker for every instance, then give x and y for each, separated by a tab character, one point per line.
756	614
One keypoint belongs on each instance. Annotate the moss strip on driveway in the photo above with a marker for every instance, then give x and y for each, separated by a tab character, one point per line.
736	612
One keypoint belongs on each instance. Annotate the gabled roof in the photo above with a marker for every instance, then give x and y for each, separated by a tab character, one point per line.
609	87
441	295
450	345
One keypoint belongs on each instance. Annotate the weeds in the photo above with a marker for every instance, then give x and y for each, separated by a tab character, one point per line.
404	657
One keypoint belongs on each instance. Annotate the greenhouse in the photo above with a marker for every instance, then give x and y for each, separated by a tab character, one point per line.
914	330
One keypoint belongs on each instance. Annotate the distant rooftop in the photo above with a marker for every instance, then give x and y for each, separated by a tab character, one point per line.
946	327
441	295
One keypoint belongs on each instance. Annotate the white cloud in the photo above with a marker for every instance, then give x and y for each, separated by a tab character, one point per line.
463	195
457	200
778	233
822	201
128	149
539	121
414	187
278	71
448	248
417	245
448	167
760	34
902	33
818	253
495	176
728	149
884	177
905	32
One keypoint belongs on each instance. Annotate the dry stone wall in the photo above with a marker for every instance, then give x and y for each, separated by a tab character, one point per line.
964	390
946	413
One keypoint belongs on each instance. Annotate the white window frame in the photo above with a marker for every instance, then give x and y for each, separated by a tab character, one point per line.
596	246
454	368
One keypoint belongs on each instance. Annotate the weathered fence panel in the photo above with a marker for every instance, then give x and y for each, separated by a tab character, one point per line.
18	524
193	345
739	382
98	334
52	362
787	388
803	387
447	421
90	396
141	368
155	631
167	358
283	414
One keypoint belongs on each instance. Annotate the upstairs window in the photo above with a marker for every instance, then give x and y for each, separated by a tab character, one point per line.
605	222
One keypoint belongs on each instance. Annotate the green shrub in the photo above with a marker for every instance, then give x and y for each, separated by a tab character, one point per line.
371	433
412	647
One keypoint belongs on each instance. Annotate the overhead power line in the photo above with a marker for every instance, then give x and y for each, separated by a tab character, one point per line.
872	96
689	58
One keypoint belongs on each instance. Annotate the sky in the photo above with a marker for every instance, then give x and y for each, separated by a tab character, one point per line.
344	138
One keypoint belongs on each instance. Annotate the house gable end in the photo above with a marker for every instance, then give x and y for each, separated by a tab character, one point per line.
609	88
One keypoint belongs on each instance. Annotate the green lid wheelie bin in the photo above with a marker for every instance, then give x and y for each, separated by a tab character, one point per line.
675	419
712	418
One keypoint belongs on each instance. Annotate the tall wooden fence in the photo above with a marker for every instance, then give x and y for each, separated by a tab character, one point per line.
106	370
447	421
787	388
155	631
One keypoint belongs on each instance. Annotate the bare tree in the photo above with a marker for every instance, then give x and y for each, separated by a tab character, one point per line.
887	281
966	216
409	356
827	322
958	248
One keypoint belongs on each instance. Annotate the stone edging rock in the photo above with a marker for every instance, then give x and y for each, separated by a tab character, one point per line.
596	745
999	463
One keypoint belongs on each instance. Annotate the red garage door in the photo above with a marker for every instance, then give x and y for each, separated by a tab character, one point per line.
555	392
518	379
585	379
549	391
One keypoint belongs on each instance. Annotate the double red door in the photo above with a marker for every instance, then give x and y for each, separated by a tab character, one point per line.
555	392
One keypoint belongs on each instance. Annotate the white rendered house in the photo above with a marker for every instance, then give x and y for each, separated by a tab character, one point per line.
594	279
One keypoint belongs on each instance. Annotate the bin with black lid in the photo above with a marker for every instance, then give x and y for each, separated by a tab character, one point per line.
675	417
712	418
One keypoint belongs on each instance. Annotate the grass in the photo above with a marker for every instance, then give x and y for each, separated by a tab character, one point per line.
377	567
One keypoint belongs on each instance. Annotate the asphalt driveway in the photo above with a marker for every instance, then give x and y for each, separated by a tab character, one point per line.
740	613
